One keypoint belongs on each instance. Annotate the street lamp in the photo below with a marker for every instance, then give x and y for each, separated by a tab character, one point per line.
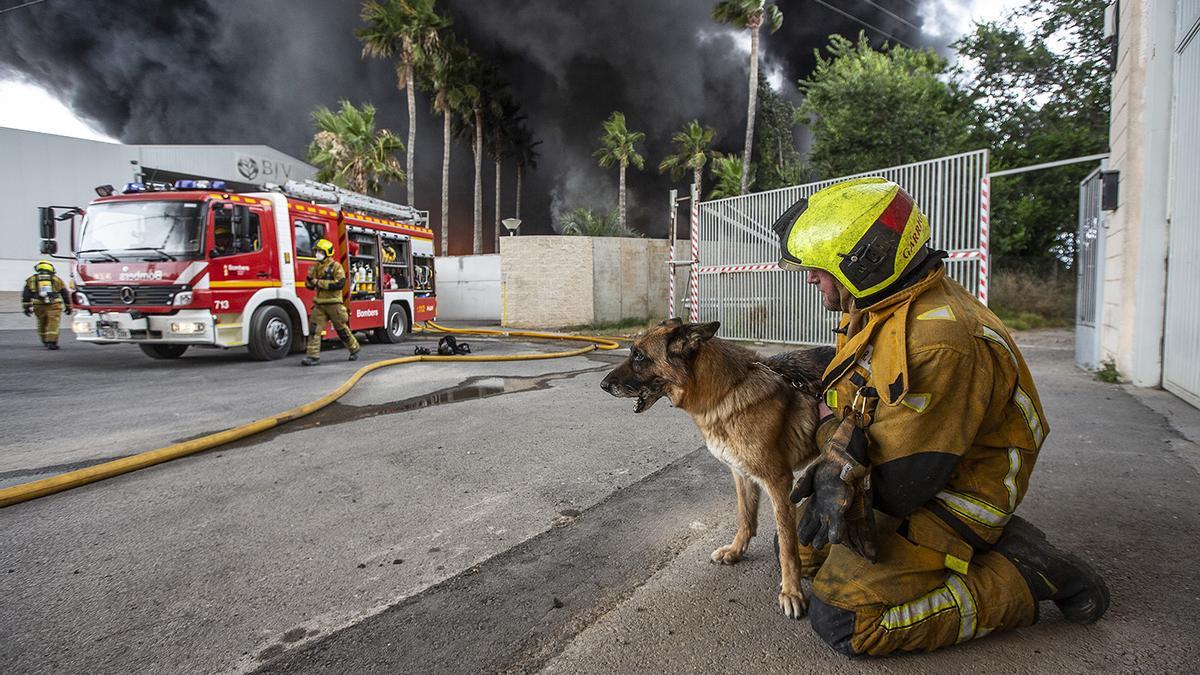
512	224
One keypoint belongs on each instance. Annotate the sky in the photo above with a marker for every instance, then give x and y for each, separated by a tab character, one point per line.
193	72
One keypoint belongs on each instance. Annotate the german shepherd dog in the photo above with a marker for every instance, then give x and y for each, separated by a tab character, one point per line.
756	415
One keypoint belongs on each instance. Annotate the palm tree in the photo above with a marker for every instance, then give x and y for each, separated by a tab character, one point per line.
502	118
618	145
443	72
585	222
478	79
693	151
524	148
749	14
349	151
727	176
404	30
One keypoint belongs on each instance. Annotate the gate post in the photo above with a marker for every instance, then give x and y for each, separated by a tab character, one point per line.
694	269
984	199
671	255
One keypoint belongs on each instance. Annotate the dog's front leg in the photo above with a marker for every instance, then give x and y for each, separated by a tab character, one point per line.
791	595
747	507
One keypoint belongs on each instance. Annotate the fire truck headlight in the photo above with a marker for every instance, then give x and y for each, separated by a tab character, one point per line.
81	299
82	327
187	327
184	298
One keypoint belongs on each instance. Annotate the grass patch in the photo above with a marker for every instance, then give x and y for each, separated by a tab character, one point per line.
1027	300
1108	372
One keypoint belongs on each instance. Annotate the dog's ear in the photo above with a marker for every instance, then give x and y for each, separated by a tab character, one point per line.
687	338
673	322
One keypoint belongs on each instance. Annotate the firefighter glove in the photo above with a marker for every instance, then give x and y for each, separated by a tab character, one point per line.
67	311
28	311
838	489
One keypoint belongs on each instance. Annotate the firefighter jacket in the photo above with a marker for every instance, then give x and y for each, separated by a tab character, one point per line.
952	417
44	289
329	279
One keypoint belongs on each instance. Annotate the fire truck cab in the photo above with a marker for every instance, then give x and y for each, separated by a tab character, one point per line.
171	266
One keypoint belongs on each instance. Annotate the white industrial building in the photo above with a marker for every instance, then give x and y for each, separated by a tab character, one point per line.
1139	303
38	169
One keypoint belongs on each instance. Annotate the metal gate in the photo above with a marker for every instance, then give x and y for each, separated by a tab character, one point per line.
741	285
1181	339
1089	270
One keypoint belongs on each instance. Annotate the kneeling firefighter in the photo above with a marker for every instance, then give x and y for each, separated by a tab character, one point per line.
46	296
328	277
931	427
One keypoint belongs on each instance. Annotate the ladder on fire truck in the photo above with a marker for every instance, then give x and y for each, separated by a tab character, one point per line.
327	193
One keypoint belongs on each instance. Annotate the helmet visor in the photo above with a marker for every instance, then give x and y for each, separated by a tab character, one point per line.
783	228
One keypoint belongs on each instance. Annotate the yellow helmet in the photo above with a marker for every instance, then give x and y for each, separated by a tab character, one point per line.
865	232
325	246
44	267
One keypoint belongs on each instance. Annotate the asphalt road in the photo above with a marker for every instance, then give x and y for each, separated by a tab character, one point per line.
501	516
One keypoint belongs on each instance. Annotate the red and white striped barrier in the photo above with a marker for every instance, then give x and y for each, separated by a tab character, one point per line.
966	254
694	273
984	202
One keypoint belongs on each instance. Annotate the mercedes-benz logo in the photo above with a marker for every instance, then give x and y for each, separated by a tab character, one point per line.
128	295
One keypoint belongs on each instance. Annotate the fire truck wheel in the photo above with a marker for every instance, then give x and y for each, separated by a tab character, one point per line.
270	333
163	351
397	325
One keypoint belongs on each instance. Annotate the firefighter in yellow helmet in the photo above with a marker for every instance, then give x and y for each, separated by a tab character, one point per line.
328	278
931	429
46	296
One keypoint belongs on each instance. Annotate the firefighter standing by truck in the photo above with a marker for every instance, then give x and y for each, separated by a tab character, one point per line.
46	296
328	278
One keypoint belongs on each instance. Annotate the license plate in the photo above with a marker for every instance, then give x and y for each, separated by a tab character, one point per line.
109	331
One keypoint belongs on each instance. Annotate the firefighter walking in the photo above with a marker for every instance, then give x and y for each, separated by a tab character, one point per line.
932	425
45	295
328	278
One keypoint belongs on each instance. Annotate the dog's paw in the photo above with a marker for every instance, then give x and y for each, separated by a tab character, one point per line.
728	555
793	605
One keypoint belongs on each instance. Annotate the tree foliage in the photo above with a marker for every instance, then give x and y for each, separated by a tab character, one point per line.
777	162
693	148
618	145
870	109
349	151
585	222
1036	103
727	176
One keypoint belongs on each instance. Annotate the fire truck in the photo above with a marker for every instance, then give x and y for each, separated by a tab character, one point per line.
169	266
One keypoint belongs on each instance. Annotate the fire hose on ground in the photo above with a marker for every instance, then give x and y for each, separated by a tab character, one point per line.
73	479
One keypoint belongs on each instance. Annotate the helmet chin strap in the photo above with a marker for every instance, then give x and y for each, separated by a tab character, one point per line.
848	306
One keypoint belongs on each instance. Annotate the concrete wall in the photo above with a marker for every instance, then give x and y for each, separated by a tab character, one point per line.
1131	317
554	281
39	169
468	287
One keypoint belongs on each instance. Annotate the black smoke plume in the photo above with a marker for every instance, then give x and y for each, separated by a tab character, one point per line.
251	72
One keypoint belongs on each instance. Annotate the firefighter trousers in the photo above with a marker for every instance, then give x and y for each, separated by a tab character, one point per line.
48	318
909	600
335	313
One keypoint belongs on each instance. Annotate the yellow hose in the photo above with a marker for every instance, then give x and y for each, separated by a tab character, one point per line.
73	479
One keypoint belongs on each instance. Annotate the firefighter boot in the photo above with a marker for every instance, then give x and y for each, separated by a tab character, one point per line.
354	354
51	345
310	361
1052	574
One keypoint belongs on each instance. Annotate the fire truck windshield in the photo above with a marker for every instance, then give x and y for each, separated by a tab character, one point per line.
143	229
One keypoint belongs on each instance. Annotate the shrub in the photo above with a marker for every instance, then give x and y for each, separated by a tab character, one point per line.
584	222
